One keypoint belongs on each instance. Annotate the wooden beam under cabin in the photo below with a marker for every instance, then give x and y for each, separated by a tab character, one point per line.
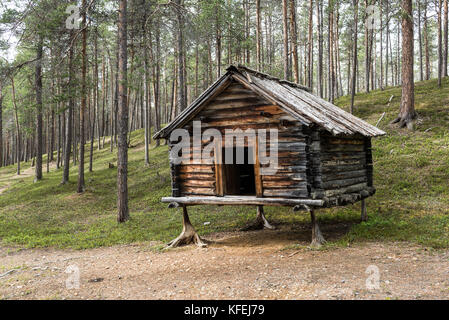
242	200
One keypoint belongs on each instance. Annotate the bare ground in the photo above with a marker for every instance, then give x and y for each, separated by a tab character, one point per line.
237	265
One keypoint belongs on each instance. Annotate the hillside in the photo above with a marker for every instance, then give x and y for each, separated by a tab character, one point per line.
411	173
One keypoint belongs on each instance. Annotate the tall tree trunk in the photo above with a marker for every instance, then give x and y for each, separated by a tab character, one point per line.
294	39
320	47
146	89
217	39
16	117
258	36
355	3
39	140
367	49
285	33
381	80
182	86
407	112
445	29
440	49
310	48
68	125
157	79
1	124
95	105
82	139
421	68
426	41
122	153
247	30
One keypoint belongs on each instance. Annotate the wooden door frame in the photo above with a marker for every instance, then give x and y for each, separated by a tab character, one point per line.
220	182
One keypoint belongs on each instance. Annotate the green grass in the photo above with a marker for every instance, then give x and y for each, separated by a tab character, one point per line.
411	204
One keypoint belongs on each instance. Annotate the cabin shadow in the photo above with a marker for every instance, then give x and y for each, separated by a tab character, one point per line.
286	233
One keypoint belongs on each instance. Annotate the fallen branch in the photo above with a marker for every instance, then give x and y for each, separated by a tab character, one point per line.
383	115
8	272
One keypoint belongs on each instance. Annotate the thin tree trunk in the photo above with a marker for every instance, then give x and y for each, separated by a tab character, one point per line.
39	140
16	117
147	104
68	125
294	39
421	69
95	104
367	50
440	49
182	99
320	47
122	154
1	125
354	52
258	36
285	33
445	30
310	48
82	139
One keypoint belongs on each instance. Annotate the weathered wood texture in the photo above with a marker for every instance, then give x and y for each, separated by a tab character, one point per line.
241	200
312	163
341	168
293	99
239	108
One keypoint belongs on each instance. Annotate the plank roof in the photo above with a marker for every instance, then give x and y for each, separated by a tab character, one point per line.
295	99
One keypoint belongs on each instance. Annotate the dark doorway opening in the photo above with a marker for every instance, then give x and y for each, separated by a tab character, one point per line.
239	179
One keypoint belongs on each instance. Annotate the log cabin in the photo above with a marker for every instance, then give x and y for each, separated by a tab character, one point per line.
316	155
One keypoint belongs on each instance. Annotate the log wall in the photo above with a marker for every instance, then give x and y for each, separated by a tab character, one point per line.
312	163
239	108
346	165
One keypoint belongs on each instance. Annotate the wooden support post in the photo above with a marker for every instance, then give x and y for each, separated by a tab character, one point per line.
364	213
188	234
260	223
317	237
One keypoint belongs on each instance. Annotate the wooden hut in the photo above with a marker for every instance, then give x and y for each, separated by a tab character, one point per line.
323	153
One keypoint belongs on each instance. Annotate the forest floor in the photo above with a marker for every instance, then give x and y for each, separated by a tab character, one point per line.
254	265
408	220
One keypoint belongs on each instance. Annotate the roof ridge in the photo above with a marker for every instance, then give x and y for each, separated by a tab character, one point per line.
269	77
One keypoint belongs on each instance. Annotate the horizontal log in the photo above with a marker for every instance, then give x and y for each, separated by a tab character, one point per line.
335	184
331	141
289	193
219	105
225	96
350	189
245	110
241	200
198	184
198	191
196	169
342	168
342	148
340	175
288	184
196	176
285	176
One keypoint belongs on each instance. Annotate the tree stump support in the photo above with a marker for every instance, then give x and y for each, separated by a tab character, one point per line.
188	234
260	223
364	214
317	237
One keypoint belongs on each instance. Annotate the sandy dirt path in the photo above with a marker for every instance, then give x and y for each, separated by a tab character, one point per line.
251	265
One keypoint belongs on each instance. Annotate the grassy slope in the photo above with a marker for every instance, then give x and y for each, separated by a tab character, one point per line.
411	176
